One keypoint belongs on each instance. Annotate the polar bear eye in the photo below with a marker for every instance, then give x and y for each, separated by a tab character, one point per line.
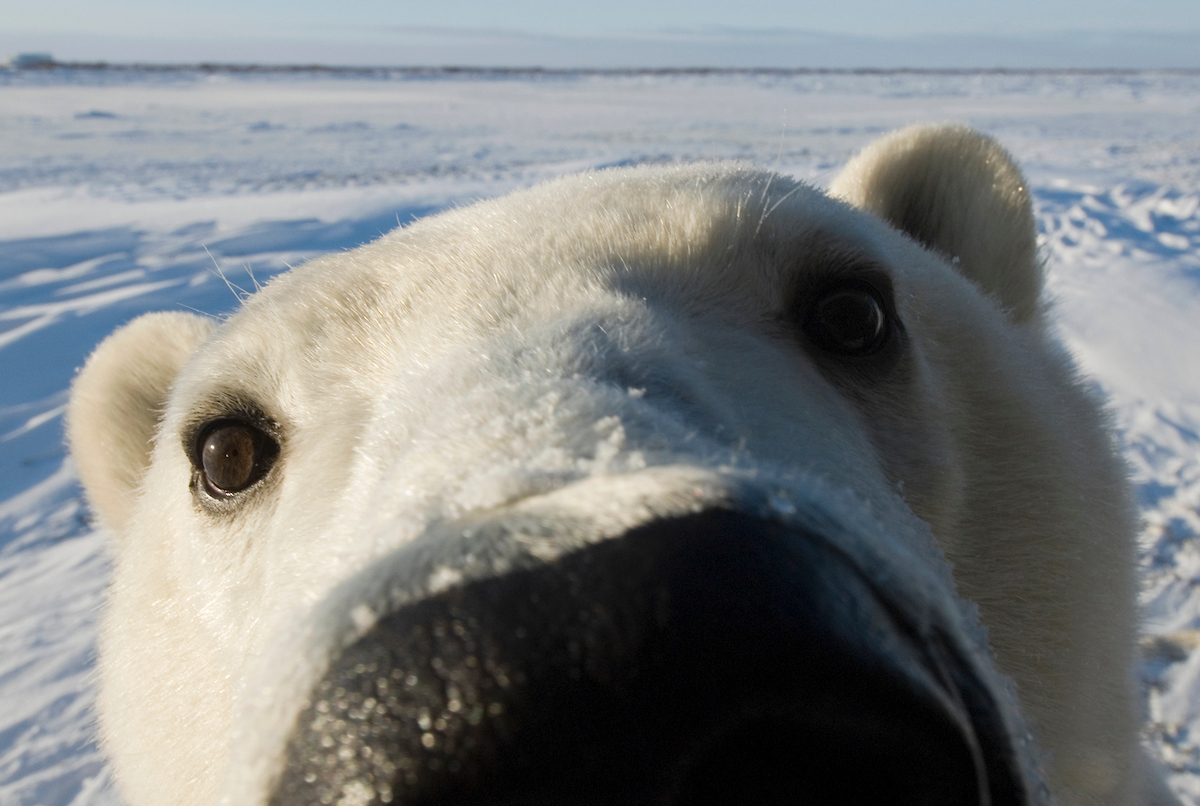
231	455
849	320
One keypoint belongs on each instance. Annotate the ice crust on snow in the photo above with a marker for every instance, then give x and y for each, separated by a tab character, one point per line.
128	192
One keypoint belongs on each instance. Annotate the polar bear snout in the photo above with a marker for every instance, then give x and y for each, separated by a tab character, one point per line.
717	657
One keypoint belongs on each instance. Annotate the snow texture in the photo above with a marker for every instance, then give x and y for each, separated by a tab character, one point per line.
126	192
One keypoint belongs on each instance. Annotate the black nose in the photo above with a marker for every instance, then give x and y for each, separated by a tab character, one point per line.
717	658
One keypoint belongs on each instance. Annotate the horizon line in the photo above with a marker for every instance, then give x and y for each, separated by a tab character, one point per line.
458	69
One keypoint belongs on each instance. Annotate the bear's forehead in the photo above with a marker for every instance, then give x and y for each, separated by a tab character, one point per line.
716	234
719	239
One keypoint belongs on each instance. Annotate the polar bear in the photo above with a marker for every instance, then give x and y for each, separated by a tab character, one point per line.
660	485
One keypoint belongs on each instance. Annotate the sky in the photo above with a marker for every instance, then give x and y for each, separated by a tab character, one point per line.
1161	33
309	18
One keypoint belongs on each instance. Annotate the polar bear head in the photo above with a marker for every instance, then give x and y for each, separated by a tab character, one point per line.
635	487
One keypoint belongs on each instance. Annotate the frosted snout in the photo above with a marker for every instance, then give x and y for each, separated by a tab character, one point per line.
719	657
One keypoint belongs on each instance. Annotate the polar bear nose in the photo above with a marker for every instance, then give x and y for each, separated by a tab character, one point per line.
716	658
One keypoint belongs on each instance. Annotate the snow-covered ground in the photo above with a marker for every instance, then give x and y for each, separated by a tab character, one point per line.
129	192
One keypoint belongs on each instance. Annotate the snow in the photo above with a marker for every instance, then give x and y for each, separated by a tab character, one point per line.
126	192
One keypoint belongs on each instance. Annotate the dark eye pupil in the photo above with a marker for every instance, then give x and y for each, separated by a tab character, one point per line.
229	458
850	321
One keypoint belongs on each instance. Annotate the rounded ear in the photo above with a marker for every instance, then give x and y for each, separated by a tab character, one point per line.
117	401
959	193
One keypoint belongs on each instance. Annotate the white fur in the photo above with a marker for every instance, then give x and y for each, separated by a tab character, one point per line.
450	369
960	195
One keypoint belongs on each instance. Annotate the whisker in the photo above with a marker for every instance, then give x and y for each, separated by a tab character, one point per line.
767	212
233	287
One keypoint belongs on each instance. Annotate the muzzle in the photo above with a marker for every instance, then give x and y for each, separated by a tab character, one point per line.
719	657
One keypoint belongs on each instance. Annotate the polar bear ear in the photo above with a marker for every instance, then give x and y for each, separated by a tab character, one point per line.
117	401
959	193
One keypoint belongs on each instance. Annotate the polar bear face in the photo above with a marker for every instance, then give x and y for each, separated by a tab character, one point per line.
662	458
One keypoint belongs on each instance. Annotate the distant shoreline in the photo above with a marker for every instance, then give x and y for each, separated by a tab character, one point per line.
432	70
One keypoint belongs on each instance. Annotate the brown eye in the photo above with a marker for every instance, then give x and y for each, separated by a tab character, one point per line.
849	320
231	455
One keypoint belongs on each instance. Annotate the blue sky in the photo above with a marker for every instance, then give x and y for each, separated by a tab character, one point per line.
305	18
548	32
